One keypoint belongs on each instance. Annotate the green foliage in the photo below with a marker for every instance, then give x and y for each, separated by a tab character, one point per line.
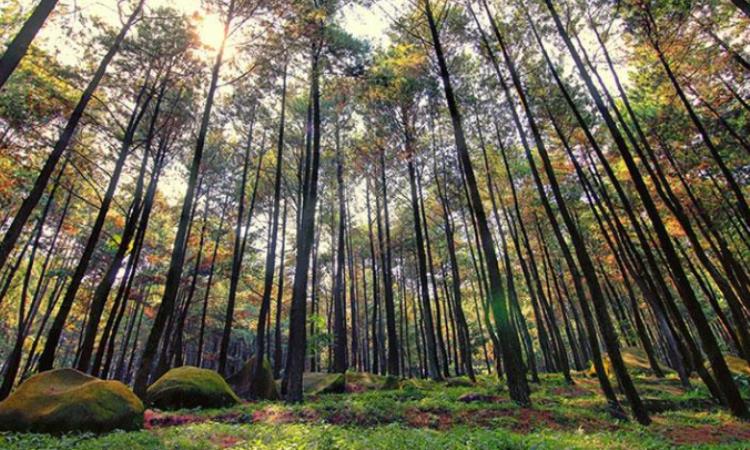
425	416
118	440
320	338
37	93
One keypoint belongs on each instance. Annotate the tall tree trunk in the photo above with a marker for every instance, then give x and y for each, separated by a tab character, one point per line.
13	361
386	266
102	291
510	346
355	358
265	306
209	284
21	42
277	361
464	339
710	346
237	255
433	367
339	290
176	350
298	313
123	294
442	352
166	307
375	284
367	366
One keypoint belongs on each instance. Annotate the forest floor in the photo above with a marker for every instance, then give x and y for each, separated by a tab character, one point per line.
428	415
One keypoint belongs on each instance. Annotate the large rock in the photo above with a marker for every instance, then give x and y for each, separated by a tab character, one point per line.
65	400
390	383
362	381
263	389
462	381
190	387
315	383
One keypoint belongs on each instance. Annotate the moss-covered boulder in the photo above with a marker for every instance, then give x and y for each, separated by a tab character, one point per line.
190	387
264	388
316	383
415	384
66	400
363	381
462	381
390	383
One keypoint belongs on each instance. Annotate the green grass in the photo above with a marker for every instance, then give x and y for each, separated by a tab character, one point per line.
427	415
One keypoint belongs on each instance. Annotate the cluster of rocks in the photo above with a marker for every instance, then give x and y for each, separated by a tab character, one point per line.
65	400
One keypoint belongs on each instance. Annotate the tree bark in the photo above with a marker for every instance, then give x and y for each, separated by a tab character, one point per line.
298	313
237	255
21	42
340	363
265	306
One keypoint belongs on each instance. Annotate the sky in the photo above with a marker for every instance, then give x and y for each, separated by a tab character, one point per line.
368	23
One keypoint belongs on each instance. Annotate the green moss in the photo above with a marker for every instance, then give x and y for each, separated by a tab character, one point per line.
317	383
365	381
244	384
190	387
417	384
362	381
462	381
738	366
390	383
68	400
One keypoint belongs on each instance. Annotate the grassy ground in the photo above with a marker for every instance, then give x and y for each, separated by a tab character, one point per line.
426	415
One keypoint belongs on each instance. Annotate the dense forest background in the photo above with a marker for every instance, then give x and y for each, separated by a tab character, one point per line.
488	187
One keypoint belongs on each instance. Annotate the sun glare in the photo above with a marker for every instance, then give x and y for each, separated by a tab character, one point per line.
211	30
